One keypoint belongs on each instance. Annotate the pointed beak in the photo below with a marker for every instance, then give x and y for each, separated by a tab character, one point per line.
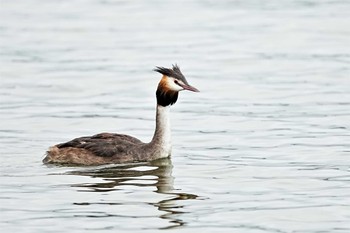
189	88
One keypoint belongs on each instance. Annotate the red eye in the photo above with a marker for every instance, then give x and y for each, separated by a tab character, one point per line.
176	82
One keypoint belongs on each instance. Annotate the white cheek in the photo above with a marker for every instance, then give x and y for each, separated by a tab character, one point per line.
171	85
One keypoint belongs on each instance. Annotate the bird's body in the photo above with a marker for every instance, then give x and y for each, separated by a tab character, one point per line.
107	148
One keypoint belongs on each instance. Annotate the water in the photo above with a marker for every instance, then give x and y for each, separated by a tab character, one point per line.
264	147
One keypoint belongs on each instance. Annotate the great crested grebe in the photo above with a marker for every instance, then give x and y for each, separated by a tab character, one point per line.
106	148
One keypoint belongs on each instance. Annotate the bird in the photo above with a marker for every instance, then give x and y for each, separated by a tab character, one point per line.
114	148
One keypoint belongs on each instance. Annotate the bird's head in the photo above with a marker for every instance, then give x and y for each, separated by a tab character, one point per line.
171	83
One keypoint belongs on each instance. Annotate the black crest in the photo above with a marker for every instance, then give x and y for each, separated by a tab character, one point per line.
175	72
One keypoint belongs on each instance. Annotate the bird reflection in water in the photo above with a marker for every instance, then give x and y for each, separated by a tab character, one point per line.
113	177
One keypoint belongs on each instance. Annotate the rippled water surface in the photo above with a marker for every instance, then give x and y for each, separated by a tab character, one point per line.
264	147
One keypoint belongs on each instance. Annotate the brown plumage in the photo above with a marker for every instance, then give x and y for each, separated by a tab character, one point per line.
98	149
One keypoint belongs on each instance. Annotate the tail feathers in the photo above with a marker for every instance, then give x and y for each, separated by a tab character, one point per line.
71	155
51	154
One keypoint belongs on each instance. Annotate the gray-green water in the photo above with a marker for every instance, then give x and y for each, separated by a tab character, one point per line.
264	147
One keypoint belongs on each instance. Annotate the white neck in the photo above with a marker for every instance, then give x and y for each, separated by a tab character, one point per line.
162	135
